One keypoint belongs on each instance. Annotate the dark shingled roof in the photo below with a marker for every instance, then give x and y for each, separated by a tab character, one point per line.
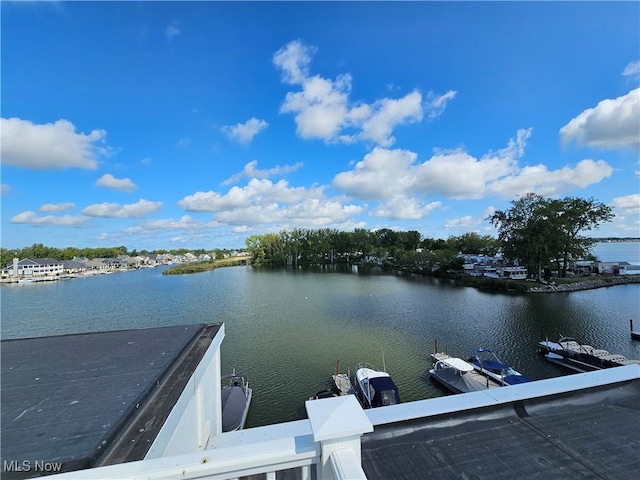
74	398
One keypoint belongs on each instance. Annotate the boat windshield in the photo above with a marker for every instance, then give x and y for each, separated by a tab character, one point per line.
388	397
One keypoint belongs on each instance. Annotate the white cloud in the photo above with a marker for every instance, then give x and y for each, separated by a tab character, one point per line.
632	68
382	174
402	207
436	104
263	202
388	113
311	212
613	123
294	60
113	210
185	222
386	174
539	179
629	203
57	207
322	109
259	192
32	218
4	189
250	171
49	146
244	132
109	181
468	222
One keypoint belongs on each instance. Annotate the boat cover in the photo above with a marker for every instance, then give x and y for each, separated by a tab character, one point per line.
457	363
234	402
515	379
450	379
385	392
492	365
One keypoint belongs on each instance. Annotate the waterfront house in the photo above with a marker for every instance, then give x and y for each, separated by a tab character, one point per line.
35	267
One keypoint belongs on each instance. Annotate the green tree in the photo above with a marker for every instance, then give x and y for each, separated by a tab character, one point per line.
524	231
571	217
474	243
537	230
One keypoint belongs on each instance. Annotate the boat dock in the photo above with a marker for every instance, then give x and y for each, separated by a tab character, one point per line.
343	384
581	358
482	380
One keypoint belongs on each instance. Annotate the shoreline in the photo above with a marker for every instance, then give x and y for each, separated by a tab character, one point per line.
586	284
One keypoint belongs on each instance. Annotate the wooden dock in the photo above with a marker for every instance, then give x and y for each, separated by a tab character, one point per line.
343	384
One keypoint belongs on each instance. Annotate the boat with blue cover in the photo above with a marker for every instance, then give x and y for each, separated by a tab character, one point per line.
487	363
375	388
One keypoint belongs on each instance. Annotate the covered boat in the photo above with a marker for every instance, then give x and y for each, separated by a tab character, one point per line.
487	363
375	387
458	376
236	399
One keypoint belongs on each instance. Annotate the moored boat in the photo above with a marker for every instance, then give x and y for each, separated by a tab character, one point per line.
236	399
487	363
375	388
568	353
459	376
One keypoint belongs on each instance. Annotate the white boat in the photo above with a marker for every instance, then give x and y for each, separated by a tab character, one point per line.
459	376
487	363
236	399
375	388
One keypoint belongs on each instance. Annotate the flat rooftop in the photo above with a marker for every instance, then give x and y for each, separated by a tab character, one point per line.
92	399
590	433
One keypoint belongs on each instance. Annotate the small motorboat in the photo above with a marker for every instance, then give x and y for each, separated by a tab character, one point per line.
487	363
236	399
459	376
375	388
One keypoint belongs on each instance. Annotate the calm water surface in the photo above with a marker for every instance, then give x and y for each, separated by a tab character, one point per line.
287	328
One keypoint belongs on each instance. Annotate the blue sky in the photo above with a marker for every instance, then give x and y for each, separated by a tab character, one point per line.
196	124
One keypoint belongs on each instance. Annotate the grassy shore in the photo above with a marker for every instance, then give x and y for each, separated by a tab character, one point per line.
198	267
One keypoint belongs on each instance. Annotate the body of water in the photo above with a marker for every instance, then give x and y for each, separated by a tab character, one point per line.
287	328
618	252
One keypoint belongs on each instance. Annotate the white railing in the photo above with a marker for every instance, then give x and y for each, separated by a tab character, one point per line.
329	442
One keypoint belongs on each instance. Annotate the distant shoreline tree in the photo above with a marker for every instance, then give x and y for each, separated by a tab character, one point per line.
537	231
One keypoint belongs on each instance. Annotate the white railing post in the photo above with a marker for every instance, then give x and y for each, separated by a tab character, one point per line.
337	424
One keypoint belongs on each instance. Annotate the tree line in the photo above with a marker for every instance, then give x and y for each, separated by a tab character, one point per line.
305	246
535	232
